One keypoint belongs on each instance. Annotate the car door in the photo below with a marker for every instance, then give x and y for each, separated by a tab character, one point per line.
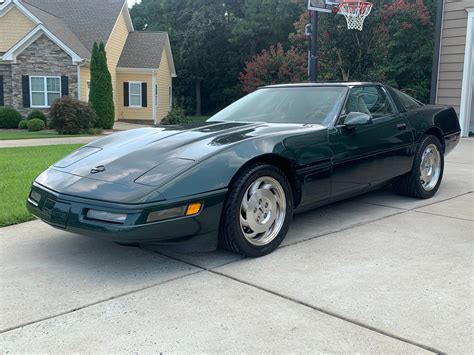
373	153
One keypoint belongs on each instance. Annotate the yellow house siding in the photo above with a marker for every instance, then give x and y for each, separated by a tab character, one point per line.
114	49
85	76
134	113
164	83
13	27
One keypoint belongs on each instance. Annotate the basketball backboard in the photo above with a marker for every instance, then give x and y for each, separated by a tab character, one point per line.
322	5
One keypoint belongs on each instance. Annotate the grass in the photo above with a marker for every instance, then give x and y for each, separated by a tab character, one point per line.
23	134
18	168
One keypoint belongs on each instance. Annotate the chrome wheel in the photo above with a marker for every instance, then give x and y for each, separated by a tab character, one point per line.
430	167
262	211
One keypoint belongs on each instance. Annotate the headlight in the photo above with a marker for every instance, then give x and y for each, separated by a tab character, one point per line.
104	216
191	209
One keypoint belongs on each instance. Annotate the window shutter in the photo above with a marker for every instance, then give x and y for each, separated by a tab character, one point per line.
2	103
144	95
64	86
25	80
126	98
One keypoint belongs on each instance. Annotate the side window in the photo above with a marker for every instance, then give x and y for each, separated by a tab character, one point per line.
371	100
407	101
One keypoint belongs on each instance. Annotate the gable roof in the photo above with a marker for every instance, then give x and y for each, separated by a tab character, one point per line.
57	26
84	21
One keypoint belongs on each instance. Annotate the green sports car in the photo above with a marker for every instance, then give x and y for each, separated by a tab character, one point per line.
237	179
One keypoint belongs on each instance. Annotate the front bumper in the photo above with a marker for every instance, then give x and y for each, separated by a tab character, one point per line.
193	232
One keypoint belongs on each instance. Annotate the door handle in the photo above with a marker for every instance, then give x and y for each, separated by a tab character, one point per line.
401	126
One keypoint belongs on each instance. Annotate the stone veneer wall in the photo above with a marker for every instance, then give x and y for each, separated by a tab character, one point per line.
6	72
42	57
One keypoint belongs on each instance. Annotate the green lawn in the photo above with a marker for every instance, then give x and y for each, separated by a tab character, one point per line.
18	168
23	134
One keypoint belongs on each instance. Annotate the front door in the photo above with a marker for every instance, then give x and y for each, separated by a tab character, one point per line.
373	153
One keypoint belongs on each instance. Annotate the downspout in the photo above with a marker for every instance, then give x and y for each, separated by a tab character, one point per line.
155	95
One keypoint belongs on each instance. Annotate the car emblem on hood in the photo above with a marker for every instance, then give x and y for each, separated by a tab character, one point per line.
98	169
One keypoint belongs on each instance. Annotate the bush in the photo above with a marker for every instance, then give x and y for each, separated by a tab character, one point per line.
37	114
9	117
23	124
175	116
70	116
94	131
35	124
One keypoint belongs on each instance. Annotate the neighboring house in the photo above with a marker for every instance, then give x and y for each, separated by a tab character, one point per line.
45	51
453	74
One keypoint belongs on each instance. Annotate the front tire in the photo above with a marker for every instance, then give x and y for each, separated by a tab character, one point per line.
257	212
424	179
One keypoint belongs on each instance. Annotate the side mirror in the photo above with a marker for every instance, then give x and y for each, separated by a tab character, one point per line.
354	119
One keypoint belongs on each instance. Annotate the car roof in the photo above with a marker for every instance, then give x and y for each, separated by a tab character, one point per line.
327	84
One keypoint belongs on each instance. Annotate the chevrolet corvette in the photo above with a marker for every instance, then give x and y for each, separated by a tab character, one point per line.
237	179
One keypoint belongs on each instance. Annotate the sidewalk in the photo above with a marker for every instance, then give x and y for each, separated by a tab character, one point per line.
118	126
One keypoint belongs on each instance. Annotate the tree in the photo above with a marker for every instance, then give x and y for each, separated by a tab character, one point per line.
101	92
274	66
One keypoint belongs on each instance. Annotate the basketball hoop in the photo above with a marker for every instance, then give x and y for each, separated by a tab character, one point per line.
355	12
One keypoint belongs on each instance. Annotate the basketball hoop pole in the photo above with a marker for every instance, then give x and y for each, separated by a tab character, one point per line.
313	59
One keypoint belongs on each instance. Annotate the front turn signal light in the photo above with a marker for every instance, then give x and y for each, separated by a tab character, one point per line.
193	208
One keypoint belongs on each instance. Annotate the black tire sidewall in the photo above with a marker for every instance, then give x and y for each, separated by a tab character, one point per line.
232	210
427	140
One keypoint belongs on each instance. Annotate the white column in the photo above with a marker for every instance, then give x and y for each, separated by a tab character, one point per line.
468	76
154	94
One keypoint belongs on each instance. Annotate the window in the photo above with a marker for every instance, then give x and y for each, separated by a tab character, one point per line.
88	89
135	94
156	95
407	101
44	90
371	100
170	94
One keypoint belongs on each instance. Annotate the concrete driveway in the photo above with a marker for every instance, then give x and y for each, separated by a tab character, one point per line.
376	274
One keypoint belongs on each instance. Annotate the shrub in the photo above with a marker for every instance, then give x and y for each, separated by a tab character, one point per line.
23	124
175	116
37	114
94	131
9	117
70	116
35	124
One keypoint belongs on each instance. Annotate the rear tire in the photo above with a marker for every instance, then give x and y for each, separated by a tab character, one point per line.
425	177
257	212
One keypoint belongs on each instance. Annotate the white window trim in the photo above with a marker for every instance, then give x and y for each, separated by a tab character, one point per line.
130	94
45	86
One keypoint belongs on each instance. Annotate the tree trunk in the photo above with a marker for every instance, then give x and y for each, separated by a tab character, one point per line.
198	97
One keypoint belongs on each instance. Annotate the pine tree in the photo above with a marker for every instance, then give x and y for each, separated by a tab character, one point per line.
101	92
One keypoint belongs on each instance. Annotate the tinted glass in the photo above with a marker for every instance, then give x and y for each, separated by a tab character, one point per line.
304	105
407	101
371	100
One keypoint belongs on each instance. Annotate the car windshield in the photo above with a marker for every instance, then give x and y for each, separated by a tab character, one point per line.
303	105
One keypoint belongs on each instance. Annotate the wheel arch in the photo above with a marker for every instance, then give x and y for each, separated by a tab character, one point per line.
283	164
435	131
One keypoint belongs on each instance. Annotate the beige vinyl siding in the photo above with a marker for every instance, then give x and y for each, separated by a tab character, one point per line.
114	48
164	83
85	76
134	113
13	27
453	41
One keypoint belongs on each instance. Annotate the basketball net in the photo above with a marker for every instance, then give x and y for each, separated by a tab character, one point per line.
355	13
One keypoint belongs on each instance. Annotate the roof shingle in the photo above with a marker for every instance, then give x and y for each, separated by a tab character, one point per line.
143	50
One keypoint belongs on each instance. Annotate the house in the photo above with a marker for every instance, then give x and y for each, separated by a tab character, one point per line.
453	69
45	51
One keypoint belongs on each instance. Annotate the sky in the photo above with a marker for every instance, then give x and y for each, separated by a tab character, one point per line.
132	2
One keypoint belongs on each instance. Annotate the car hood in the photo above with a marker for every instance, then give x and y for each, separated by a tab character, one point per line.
152	156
